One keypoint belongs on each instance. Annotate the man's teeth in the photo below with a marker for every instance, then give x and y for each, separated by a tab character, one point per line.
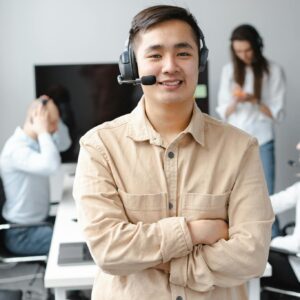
171	83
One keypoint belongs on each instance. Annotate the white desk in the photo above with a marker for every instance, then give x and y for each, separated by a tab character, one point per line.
63	278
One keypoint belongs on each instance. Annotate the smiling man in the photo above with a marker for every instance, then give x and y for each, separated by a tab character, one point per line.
173	203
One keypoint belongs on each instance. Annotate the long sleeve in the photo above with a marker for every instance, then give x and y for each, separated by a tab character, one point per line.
282	201
62	137
274	91
224	94
43	162
244	256
286	199
118	246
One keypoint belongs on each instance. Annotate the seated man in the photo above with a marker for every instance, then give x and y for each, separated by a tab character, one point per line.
286	269
28	158
282	201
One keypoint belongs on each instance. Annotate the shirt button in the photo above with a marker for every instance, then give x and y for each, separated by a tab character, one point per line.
171	155
179	298
170	205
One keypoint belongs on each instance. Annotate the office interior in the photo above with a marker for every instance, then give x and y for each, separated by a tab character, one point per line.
52	32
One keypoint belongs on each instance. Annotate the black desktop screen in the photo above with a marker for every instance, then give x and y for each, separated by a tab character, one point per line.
89	94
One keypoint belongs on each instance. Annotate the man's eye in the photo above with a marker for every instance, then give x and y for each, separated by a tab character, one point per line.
155	56
184	54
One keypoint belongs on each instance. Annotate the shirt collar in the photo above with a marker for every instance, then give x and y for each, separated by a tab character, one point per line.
20	133
140	129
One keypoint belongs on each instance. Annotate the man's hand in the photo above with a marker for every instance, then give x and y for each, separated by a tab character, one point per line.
44	116
208	231
40	119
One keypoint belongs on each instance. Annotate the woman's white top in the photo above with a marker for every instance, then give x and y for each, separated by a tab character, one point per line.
282	201
247	116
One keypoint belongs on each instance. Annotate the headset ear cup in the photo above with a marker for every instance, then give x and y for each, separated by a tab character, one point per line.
127	64
124	65
203	58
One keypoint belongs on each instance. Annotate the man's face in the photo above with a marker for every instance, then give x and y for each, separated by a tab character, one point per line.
243	51
169	51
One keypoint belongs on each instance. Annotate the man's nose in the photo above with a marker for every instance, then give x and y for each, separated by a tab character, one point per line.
170	64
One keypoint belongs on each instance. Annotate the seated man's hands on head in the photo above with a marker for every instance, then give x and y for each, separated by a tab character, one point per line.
53	115
39	120
44	115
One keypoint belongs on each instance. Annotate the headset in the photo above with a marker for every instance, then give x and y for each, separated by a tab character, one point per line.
256	36
259	41
128	66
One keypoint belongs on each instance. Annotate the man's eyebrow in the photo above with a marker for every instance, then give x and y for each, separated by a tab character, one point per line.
153	47
176	46
183	45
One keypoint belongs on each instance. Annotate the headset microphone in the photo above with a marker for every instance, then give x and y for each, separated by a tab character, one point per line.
144	80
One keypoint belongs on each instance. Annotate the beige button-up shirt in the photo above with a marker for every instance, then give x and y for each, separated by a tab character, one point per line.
135	195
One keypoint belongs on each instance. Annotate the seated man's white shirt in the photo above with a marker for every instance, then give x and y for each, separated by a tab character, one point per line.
26	165
281	202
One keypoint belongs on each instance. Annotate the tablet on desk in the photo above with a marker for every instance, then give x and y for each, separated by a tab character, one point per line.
74	254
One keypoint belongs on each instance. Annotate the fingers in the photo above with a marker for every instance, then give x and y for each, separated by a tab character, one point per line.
40	111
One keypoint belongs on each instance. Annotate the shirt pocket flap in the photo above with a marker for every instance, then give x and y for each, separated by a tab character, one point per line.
205	206
146	208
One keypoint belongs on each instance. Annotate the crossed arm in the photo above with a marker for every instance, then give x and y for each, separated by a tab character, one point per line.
205	232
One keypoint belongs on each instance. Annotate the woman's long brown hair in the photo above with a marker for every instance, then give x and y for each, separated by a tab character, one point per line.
259	64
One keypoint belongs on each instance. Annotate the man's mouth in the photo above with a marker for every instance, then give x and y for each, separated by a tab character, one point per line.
171	82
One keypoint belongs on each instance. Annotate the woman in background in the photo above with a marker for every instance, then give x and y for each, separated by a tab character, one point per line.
251	96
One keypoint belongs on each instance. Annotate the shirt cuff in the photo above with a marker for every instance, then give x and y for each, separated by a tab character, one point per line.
178	271
176	238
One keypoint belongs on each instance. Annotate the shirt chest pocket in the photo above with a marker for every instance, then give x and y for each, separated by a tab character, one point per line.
146	208
205	206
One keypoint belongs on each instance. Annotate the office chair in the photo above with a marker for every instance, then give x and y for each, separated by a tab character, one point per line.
282	287
11	263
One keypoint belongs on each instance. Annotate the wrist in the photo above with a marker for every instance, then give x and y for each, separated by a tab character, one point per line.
42	131
193	232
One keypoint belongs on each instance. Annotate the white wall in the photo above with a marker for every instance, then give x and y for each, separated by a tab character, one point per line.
89	31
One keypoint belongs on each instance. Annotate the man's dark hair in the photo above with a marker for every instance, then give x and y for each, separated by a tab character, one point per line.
160	13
